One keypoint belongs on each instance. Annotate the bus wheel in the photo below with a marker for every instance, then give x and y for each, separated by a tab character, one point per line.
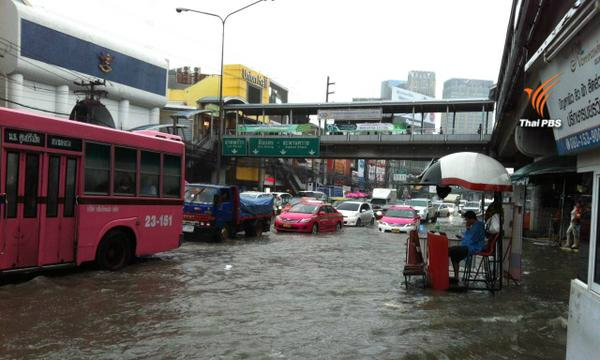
114	251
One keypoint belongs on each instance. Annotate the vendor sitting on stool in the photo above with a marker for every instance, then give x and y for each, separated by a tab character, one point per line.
472	242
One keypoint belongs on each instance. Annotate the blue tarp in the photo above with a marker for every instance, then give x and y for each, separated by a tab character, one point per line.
252	206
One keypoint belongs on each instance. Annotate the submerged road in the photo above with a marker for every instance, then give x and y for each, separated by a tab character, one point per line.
284	296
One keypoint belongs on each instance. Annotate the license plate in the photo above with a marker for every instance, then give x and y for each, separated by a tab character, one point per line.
395	230
188	228
287	226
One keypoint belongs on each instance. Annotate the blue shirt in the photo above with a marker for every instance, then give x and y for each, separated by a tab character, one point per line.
474	237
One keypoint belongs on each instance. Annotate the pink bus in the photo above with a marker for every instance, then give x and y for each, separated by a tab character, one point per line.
72	192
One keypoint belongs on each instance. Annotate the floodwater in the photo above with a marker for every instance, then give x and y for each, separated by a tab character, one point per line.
284	296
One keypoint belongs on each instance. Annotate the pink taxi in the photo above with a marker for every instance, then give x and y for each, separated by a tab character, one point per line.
399	218
310	217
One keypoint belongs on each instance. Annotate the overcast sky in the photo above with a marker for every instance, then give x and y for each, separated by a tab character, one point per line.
299	42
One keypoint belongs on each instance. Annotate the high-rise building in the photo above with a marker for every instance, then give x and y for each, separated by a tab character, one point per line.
422	82
466	123
387	87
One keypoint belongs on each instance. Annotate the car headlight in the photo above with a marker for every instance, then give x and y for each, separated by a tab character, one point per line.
305	220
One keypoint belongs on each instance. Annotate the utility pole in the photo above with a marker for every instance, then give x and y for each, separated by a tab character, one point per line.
327	92
323	161
91	92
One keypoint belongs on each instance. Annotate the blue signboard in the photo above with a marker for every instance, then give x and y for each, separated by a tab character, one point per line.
54	47
580	141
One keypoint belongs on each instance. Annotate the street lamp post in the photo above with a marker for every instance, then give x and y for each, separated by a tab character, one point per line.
221	132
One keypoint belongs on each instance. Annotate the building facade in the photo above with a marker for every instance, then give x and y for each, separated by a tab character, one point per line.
43	56
388	85
422	82
466	123
197	94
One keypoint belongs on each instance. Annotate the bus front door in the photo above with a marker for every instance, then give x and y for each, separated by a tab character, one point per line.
21	222
58	244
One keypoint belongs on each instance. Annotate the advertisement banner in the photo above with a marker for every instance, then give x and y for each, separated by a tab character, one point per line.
351	114
571	89
374	127
361	168
274	129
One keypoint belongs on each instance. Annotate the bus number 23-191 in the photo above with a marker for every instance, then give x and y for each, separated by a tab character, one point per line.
160	221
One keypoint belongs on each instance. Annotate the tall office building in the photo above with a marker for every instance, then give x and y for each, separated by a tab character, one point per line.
422	82
466	123
388	85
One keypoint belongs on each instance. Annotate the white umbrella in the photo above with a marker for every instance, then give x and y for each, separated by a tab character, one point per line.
469	170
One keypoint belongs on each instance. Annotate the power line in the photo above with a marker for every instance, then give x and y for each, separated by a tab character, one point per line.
33	107
34	87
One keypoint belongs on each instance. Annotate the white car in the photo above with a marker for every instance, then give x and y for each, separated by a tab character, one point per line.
356	213
451	208
443	210
424	208
461	205
474	206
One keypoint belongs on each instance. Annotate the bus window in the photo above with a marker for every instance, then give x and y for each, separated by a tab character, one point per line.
70	183
53	174
149	173
125	171
97	168
12	182
171	176
32	163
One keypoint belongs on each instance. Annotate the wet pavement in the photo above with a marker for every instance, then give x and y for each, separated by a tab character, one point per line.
284	296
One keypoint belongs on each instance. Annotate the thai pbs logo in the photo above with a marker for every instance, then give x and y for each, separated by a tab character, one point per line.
538	99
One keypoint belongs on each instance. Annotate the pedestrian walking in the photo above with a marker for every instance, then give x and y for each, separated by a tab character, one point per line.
574	227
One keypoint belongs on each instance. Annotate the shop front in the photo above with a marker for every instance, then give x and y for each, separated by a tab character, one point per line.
571	69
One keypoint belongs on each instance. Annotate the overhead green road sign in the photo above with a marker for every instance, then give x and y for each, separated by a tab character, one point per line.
234	146
284	147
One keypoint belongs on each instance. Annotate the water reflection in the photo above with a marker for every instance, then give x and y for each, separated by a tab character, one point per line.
285	296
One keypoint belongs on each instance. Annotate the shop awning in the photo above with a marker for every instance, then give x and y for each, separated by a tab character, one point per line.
549	165
189	113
